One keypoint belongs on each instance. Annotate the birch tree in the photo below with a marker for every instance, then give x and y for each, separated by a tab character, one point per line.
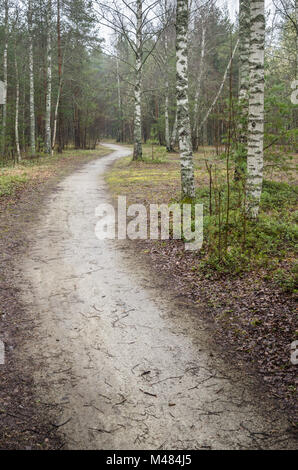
255	151
167	124
5	80
198	88
139	24
17	78
244	43
48	136
31	80
167	88
244	48
60	77
183	119
137	152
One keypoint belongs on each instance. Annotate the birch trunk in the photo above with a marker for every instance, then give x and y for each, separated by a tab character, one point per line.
255	153
244	43
48	136
244	36
183	120
137	154
296	20
167	125
4	121
198	90
31	80
17	137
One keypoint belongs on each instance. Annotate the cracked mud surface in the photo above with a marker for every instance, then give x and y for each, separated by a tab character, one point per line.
125	367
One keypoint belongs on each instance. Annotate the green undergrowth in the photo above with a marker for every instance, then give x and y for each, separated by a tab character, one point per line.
154	154
235	244
10	183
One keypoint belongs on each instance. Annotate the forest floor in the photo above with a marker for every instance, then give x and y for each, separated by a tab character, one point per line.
25	422
250	294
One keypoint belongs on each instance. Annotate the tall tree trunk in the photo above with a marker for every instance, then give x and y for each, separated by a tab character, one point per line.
295	110
296	31
24	112
17	137
255	154
244	43
198	90
120	130
174	132
184	129
138	154
31	80
167	125
48	134
5	81
56	117
60	84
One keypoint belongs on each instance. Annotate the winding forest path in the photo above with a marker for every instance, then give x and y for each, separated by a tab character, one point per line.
125	367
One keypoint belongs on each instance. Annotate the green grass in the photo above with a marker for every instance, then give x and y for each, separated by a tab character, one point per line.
10	183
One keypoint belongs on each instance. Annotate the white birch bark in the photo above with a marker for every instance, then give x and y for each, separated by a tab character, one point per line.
48	136
167	125
17	137
244	37
31	82
184	129
256	109
244	44
137	154
5	80
296	21
199	86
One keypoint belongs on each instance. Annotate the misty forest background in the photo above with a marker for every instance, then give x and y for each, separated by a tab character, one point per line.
88	82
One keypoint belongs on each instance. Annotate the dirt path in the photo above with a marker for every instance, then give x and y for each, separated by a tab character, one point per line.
126	368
